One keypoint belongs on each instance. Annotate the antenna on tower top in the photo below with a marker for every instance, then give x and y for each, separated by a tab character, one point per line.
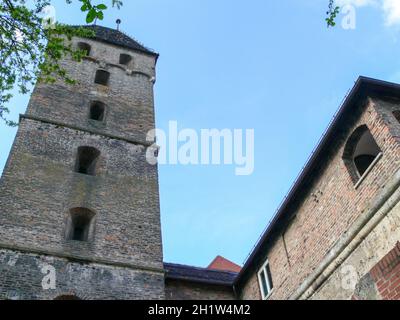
118	23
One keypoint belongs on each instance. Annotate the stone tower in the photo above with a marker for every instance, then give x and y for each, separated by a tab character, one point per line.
79	203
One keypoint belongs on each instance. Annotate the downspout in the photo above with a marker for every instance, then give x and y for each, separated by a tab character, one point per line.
351	239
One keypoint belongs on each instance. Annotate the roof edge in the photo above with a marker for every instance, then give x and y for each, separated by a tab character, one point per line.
362	88
141	48
199	280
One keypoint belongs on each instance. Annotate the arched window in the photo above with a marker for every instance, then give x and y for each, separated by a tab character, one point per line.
360	152
80	224
87	159
102	77
97	111
396	114
125	59
83	46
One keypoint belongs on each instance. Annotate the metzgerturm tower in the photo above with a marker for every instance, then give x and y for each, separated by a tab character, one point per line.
79	203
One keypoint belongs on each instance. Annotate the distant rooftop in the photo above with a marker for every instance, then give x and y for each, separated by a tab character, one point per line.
200	275
118	38
223	264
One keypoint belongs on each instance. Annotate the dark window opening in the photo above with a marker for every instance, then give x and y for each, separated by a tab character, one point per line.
365	152
363	162
397	115
79	225
125	59
87	159
97	111
360	152
102	77
85	47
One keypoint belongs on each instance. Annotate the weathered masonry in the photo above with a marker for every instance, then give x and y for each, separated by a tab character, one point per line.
79	203
77	193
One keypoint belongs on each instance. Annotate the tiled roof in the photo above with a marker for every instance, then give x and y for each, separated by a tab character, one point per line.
118	38
201	275
223	264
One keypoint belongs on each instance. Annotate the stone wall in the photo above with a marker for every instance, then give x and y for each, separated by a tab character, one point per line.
128	98
40	185
357	276
386	275
22	274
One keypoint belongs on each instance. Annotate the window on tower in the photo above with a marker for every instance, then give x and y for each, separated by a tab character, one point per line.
80	224
396	114
102	77
83	46
87	160
125	59
97	111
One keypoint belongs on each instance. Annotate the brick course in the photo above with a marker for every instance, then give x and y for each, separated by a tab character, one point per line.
386	275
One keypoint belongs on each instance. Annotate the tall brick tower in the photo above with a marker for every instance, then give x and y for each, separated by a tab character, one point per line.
79	204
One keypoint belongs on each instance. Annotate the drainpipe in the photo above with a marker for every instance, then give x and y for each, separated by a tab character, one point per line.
351	239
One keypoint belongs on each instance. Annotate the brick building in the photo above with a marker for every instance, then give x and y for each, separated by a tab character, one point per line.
79	200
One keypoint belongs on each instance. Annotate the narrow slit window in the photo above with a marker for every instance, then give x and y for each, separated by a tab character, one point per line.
125	59
80	224
87	159
97	111
102	77
396	114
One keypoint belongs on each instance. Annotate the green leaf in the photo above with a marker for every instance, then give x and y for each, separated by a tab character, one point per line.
101	7
92	14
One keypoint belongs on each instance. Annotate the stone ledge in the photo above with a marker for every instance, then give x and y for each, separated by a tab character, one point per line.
62	255
56	123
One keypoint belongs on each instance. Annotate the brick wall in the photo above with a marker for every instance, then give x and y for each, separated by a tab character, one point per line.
331	203
386	276
251	291
184	290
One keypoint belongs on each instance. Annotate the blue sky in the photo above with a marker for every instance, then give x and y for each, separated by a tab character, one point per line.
268	65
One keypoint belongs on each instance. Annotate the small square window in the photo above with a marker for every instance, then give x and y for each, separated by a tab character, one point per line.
102	77
125	59
265	281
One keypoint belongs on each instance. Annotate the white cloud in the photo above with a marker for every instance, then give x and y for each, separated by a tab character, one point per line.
356	3
390	8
